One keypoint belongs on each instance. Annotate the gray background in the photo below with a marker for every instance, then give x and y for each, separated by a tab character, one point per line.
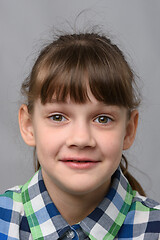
26	25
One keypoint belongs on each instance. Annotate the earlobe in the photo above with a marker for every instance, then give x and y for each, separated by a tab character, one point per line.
131	130
26	126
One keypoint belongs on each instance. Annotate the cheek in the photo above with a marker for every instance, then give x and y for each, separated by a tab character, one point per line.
47	145
112	144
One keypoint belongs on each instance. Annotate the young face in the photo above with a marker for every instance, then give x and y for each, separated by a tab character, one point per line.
79	146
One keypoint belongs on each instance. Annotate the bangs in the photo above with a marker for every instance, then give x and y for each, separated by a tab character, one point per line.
72	70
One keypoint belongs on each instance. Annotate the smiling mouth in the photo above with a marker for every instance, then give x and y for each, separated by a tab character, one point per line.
80	164
76	161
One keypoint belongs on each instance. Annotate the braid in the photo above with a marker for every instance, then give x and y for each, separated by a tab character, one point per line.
133	182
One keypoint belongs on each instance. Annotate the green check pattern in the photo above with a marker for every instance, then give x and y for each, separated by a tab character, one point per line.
27	212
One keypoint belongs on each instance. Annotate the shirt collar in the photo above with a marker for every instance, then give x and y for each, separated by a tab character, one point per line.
105	221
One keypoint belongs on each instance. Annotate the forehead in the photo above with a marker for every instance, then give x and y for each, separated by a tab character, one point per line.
74	71
92	104
89	98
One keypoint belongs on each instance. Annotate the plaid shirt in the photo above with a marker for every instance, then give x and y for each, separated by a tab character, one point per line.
27	213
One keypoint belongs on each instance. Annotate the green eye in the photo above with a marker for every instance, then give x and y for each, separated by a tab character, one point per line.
57	118
103	119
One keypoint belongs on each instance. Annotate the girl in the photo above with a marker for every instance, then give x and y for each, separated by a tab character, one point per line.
80	114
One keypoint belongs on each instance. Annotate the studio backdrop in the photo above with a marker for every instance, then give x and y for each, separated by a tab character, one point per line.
26	25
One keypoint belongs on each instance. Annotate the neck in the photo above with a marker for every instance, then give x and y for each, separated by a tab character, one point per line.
74	208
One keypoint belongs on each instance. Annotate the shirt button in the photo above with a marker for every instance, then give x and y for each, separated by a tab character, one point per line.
70	234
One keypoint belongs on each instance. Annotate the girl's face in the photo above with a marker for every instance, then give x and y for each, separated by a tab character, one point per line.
79	146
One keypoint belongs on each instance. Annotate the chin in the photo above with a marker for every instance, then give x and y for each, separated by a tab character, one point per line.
84	189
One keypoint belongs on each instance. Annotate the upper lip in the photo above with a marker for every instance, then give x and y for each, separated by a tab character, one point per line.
78	159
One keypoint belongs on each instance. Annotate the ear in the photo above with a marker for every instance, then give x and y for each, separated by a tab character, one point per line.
26	126
131	130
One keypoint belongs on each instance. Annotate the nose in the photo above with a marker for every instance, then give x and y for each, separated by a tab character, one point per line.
81	136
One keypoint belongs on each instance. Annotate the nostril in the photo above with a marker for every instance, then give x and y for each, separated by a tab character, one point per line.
81	142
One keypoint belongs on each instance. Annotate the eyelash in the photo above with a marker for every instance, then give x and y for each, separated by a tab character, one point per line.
60	118
107	119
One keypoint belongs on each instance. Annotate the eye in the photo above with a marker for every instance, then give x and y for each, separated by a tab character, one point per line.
57	118
103	119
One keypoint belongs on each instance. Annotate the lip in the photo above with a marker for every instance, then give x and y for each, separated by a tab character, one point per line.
79	163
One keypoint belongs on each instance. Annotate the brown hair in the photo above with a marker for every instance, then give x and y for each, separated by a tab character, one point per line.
71	63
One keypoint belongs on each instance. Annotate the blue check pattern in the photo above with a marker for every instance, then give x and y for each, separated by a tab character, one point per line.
27	212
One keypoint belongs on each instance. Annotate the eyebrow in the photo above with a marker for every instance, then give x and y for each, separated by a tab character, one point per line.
53	100
98	104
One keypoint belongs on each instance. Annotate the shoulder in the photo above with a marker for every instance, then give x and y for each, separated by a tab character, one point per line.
142	220
13	218
11	211
146	215
11	200
144	204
